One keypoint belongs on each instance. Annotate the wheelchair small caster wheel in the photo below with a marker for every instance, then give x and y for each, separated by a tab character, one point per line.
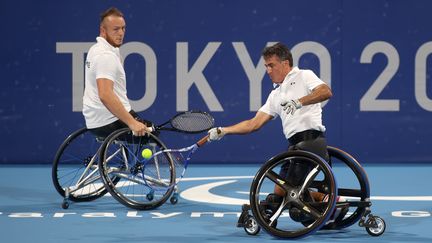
380	226
65	204
150	196
174	199
251	226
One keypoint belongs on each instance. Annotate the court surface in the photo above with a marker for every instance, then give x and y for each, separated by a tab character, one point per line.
207	211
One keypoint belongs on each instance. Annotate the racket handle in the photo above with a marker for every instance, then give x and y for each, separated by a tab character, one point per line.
152	129
203	141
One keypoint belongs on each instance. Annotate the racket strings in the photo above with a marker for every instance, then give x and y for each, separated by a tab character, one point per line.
179	159
157	172
193	122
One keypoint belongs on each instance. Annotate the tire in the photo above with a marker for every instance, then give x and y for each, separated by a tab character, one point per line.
251	226
316	213
121	159
78	152
358	194
379	230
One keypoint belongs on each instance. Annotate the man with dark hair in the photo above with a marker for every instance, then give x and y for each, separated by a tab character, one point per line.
106	107
297	100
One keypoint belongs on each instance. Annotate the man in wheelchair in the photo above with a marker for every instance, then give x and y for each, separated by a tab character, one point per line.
106	107
297	100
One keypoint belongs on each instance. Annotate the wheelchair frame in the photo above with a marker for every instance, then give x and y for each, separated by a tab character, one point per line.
320	178
79	175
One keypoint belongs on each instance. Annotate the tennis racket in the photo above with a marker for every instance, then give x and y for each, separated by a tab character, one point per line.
188	122
164	162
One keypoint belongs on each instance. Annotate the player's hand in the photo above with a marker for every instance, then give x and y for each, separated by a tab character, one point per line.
138	128
215	134
290	106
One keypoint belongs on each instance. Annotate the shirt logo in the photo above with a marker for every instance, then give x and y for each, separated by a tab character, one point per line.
87	63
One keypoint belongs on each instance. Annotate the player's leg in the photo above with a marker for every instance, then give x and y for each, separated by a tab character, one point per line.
318	146
271	210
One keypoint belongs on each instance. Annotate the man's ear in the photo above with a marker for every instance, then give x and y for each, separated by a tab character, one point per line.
102	31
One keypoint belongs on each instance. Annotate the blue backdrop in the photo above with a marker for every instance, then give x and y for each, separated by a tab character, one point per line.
184	55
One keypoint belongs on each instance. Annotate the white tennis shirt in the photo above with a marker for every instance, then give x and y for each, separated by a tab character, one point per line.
297	83
103	61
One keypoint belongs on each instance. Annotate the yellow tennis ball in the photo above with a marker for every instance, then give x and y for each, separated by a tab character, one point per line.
146	153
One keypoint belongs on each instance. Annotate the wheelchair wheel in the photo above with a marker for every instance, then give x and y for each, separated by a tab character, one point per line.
251	226
357	192
145	183
75	172
297	214
378	229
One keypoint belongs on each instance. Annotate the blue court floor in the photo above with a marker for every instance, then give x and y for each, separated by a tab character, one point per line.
207	211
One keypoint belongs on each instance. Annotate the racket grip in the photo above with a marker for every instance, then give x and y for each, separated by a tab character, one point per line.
203	141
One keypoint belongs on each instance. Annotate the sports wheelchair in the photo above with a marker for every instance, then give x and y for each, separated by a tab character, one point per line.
297	214
86	167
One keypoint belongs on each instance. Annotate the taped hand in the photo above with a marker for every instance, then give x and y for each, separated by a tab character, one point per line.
216	134
290	106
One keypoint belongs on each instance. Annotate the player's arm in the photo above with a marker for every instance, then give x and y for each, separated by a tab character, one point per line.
243	127
250	125
319	94
114	105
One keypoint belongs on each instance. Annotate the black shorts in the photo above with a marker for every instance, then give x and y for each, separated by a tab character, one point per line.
105	131
312	141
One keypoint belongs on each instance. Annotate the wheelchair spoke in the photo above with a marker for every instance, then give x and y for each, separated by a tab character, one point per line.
307	208
278	212
309	178
278	180
86	182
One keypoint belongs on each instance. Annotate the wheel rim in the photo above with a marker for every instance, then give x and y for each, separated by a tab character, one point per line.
70	164
286	227
121	153
252	225
362	192
380	227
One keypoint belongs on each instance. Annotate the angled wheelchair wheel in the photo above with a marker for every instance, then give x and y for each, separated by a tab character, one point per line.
378	227
354	189
144	183
251	226
75	172
296	214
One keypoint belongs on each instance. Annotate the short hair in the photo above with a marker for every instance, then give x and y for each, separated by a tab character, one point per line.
280	50
110	12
